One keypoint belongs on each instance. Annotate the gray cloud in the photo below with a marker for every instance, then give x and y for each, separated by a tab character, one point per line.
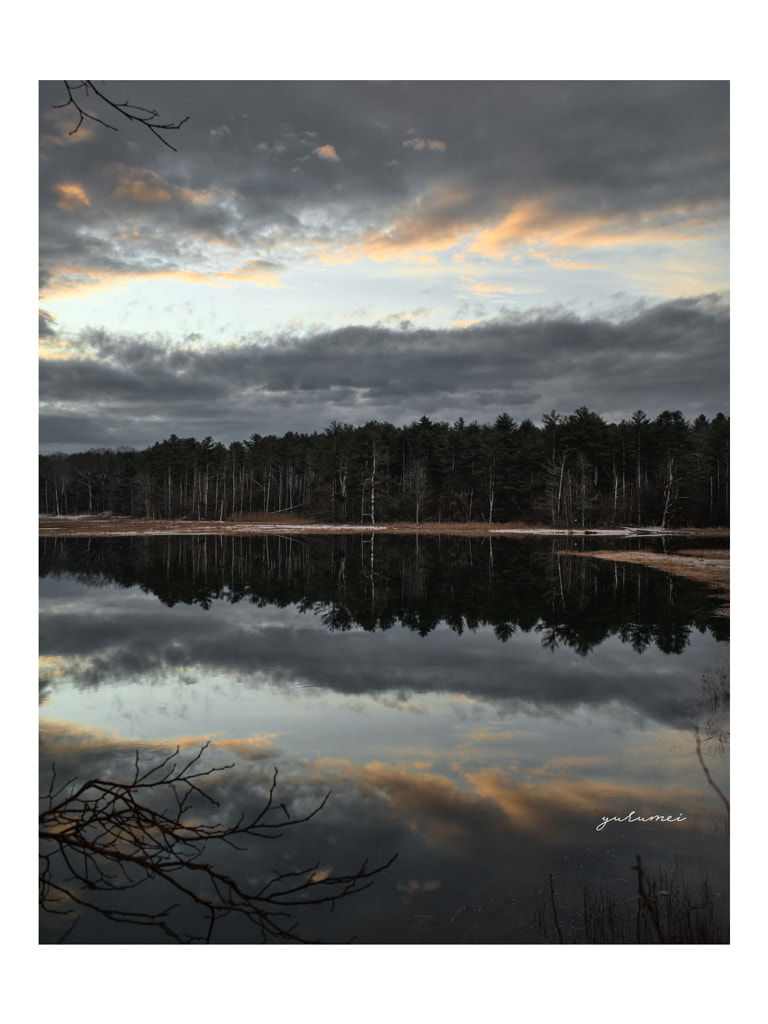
47	324
247	181
580	148
135	391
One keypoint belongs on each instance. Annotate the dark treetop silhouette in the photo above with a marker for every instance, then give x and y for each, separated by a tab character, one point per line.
575	471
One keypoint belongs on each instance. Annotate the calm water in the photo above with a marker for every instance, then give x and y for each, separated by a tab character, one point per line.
475	708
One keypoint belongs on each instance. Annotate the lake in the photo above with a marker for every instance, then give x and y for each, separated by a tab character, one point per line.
478	709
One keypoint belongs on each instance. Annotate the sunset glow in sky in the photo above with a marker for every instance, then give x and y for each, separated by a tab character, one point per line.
380	250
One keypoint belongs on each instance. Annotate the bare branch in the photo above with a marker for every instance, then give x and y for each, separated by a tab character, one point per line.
139	115
105	838
707	774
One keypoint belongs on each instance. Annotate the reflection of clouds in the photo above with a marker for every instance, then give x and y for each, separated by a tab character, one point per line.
545	803
69	739
414	885
486	735
127	641
400	701
72	741
557	764
487	832
499	806
255	748
476	802
497	801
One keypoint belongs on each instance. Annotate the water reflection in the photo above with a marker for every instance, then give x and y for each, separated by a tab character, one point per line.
476	715
379	582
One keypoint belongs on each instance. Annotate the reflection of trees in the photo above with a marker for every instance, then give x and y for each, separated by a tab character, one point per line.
417	582
102	840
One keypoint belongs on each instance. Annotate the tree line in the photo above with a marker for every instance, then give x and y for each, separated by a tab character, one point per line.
574	470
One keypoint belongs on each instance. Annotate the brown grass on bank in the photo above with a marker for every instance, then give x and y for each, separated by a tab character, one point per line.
712	567
114	526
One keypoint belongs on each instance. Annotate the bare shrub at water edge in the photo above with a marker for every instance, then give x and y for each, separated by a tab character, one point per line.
667	910
712	708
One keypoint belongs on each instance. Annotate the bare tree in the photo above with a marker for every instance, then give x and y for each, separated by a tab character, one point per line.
101	840
139	115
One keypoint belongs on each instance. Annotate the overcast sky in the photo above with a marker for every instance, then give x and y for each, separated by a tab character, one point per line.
380	250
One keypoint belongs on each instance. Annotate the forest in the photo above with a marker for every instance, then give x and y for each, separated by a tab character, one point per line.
573	471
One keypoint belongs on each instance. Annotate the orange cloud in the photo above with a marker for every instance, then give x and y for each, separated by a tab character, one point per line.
437	220
70	282
141	191
452	216
486	735
326	153
77	282
52	664
71	197
146	187
62	122
547	799
200	196
433	144
255	748
447	809
542	224
487	288
255	271
68	737
57	737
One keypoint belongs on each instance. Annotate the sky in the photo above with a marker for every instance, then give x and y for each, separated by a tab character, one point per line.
559	41
380	250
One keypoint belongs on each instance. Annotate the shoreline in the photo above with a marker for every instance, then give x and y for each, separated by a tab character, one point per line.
115	526
712	567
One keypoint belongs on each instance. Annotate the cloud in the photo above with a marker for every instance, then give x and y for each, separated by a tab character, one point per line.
142	191
437	219
47	321
545	225
326	153
537	192
582	162
433	144
69	281
71	197
672	355
147	187
280	646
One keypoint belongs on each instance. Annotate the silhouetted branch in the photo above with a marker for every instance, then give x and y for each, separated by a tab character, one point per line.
707	774
106	838
140	115
714	702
